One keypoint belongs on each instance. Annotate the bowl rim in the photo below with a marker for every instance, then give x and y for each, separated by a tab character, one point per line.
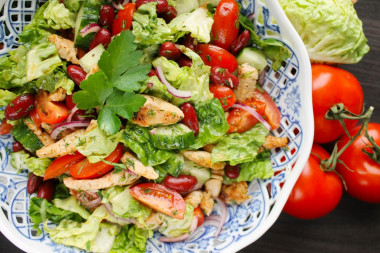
306	118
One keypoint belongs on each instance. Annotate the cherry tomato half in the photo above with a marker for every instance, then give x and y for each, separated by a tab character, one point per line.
215	56
201	217
5	127
123	19
225	95
316	193
160	198
85	170
48	111
241	120
62	164
332	86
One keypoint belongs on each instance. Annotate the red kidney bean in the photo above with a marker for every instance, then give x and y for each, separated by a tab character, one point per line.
103	36
162	5
19	107
34	183
181	183
191	42
152	72
76	73
69	102
184	61
46	190
17	146
241	42
82	115
170	51
106	16
223	77
232	172
169	14
190	118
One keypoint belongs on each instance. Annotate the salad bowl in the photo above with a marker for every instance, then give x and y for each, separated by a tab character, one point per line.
291	89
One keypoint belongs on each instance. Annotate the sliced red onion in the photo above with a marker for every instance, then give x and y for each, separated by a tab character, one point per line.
211	222
184	237
73	124
119	6
73	111
223	216
94	203
91	28
213	218
171	89
108	208
253	112
153	131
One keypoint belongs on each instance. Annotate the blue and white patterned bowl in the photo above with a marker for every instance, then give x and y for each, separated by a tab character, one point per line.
291	88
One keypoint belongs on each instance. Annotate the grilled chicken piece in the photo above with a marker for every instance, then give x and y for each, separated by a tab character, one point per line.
154	221
58	95
44	137
203	158
157	111
194	198
248	76
62	147
65	48
235	193
109	180
134	165
207	203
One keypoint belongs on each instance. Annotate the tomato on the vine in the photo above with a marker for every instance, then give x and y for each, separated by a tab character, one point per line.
316	193
360	172
331	86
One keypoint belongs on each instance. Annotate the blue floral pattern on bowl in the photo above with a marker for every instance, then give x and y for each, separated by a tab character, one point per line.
243	221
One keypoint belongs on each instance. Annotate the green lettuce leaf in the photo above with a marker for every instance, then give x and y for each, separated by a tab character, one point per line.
148	28
54	80
131	240
330	30
198	23
73	5
173	73
96	145
41	210
157	89
71	204
6	97
21	161
137	139
173	227
13	68
58	17
240	147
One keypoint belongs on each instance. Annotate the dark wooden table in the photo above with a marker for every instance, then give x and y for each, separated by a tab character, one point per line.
354	226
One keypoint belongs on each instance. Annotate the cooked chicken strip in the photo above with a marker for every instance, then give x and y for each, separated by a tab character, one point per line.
65	48
134	165
62	147
109	180
157	111
58	95
248	76
44	137
203	158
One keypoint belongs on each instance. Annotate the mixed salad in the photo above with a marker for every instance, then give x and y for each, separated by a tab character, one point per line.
134	117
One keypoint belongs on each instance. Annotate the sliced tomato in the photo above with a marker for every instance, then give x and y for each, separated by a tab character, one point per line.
225	95
272	114
241	120
215	56
48	111
201	217
62	164
123	19
5	127
160	198
34	116
86	170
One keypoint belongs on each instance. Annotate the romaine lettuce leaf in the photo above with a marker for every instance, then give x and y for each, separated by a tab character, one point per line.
330	30
156	88
131	240
240	147
6	97
58	17
13	67
22	161
173	227
71	204
54	80
198	23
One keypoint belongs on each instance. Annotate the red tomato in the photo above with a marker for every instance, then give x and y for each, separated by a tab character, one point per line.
225	28
181	183
241	120
201	217
316	193
160	198
123	20
5	128
62	164
225	95
272	114
35	118
362	174
215	56
332	86
86	170
48	111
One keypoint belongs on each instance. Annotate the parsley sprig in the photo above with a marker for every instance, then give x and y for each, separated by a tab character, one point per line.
112	88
